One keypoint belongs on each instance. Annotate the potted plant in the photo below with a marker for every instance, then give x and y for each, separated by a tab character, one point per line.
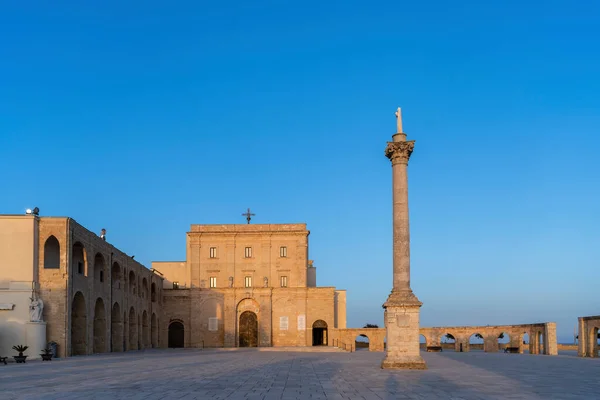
46	355
20	349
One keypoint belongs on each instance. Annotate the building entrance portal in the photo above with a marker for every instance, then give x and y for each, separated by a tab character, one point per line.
176	334
319	332
248	329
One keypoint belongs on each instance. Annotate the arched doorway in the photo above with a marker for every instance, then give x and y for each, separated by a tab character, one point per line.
503	341
540	343
78	325
361	342
176	334
125	331
153	331
448	342
319	333
99	327
145	331
116	328
248	329
476	342
133	342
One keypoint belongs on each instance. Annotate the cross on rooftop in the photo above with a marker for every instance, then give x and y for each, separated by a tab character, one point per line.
248	215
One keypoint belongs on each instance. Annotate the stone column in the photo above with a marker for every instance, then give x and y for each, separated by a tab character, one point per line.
550	342
402	306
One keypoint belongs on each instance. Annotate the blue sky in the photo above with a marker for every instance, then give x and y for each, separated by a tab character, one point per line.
147	117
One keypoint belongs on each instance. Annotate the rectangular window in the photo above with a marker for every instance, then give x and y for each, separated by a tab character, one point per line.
80	267
248	252
175	285
283	251
248	281
101	276
213	252
283	323
213	324
284	281
213	281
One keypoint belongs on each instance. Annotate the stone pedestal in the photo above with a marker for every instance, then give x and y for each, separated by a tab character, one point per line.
36	339
402	330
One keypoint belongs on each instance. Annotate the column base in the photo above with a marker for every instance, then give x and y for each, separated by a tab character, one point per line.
411	362
402	331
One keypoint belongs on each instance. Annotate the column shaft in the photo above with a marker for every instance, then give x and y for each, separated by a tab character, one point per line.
401	228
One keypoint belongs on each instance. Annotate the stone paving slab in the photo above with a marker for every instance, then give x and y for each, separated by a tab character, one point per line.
250	374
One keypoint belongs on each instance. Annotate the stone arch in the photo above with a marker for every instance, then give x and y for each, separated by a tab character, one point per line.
251	305
422	342
132	283
176	334
449	339
144	292
99	268
153	292
503	340
79	264
153	331
125	329
116	328
139	327
115	275
133	340
476	342
362	342
78	325
540	342
99	327
319	333
594	347
51	253
145	331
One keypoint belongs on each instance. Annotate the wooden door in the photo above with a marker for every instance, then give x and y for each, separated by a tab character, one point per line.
248	329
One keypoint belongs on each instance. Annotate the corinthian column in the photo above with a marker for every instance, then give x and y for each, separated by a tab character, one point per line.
402	306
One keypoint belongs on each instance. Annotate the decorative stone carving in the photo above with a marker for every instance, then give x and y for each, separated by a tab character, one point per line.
399	152
36	308
266	281
231	281
6	306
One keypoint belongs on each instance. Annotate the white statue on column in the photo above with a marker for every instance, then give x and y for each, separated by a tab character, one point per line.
399	120
36	308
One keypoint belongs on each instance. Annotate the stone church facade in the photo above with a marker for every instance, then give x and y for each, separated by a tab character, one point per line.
248	285
240	285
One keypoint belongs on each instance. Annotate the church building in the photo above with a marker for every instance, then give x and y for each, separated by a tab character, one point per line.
247	285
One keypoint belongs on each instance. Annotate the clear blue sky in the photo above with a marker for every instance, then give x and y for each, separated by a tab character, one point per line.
147	117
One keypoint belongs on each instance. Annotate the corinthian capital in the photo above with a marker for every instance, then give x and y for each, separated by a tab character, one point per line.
399	152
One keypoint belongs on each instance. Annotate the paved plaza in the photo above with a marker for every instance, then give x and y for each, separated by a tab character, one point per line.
253	374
